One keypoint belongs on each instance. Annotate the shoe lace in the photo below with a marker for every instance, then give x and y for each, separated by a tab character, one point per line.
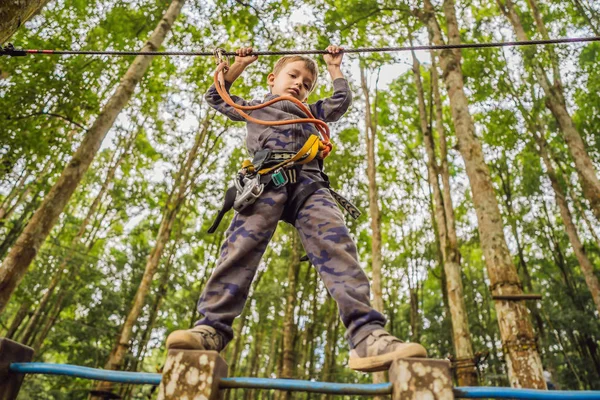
210	337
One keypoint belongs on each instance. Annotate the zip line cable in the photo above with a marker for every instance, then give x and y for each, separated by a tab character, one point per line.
10	50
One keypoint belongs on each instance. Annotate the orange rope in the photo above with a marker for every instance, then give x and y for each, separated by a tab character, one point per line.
320	125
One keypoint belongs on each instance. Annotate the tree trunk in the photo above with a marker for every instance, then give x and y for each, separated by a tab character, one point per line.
374	211
234	358
160	295
535	126
253	365
13	14
311	341
330	347
555	102
5	214
522	266
463	347
289	327
29	242
582	215
594	26
415	321
76	241
522	359
17	190
185	176
17	319
586	266
559	259
17	228
54	313
272	355
307	333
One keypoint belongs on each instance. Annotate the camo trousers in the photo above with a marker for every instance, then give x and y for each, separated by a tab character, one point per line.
328	244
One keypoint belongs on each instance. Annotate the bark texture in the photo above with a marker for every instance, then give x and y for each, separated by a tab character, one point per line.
522	359
15	13
289	327
561	199
461	336
374	211
29	242
555	102
183	180
536	127
76	241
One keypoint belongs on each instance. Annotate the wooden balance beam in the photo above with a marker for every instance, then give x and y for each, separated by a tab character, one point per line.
199	375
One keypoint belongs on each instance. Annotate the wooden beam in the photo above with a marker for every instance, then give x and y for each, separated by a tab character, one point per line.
12	352
192	374
421	378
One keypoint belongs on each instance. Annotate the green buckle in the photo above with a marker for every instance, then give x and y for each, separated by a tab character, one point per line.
279	178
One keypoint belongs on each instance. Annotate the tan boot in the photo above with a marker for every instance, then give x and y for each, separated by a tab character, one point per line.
377	351
201	337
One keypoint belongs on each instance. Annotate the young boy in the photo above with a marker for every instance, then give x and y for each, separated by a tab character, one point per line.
317	218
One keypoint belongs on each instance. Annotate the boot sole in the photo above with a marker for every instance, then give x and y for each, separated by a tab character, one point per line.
383	362
183	340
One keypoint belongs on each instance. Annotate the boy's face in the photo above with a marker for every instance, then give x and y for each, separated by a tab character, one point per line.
294	80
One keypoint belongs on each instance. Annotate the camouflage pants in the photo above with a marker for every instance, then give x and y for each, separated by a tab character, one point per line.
328	244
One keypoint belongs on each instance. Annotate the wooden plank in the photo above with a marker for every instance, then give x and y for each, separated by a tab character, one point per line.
192	374
10	382
421	378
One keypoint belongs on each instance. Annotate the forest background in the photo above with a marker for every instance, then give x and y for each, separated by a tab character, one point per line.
123	262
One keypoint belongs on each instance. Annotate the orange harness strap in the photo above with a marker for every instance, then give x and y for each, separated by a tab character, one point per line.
320	125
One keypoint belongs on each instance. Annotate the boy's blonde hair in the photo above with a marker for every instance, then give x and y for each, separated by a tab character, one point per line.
309	63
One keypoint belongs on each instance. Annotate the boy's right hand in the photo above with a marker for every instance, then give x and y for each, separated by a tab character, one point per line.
243	56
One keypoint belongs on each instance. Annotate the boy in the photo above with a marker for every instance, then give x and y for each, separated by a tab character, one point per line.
317	218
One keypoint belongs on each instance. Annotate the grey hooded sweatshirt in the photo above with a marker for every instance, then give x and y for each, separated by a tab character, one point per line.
285	137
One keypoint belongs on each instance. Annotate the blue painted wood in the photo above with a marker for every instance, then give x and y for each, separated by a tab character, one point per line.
86	372
307	386
299	385
523	394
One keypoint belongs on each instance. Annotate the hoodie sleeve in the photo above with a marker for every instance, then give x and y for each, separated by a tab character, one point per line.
332	108
214	99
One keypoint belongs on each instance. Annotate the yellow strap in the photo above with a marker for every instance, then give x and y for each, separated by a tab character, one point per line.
306	154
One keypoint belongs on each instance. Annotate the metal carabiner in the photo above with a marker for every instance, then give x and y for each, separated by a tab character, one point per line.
220	57
250	192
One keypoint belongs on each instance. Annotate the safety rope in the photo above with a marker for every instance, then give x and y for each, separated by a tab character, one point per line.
310	149
10	50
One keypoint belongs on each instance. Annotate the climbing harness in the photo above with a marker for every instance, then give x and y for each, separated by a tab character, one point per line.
272	167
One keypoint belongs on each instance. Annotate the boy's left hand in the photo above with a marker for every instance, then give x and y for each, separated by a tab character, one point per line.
334	58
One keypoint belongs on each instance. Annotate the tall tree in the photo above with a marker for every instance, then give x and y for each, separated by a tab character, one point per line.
183	185
123	149
289	327
555	100
536	127
25	249
463	347
374	211
522	359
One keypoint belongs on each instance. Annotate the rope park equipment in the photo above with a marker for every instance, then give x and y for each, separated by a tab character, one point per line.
154	379
203	375
16	370
10	50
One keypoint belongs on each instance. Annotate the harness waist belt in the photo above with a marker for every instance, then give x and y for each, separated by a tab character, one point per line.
266	158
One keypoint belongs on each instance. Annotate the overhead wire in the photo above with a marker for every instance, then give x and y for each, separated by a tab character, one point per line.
10	50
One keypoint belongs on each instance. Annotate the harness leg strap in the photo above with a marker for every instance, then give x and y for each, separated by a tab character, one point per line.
293	207
227	205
